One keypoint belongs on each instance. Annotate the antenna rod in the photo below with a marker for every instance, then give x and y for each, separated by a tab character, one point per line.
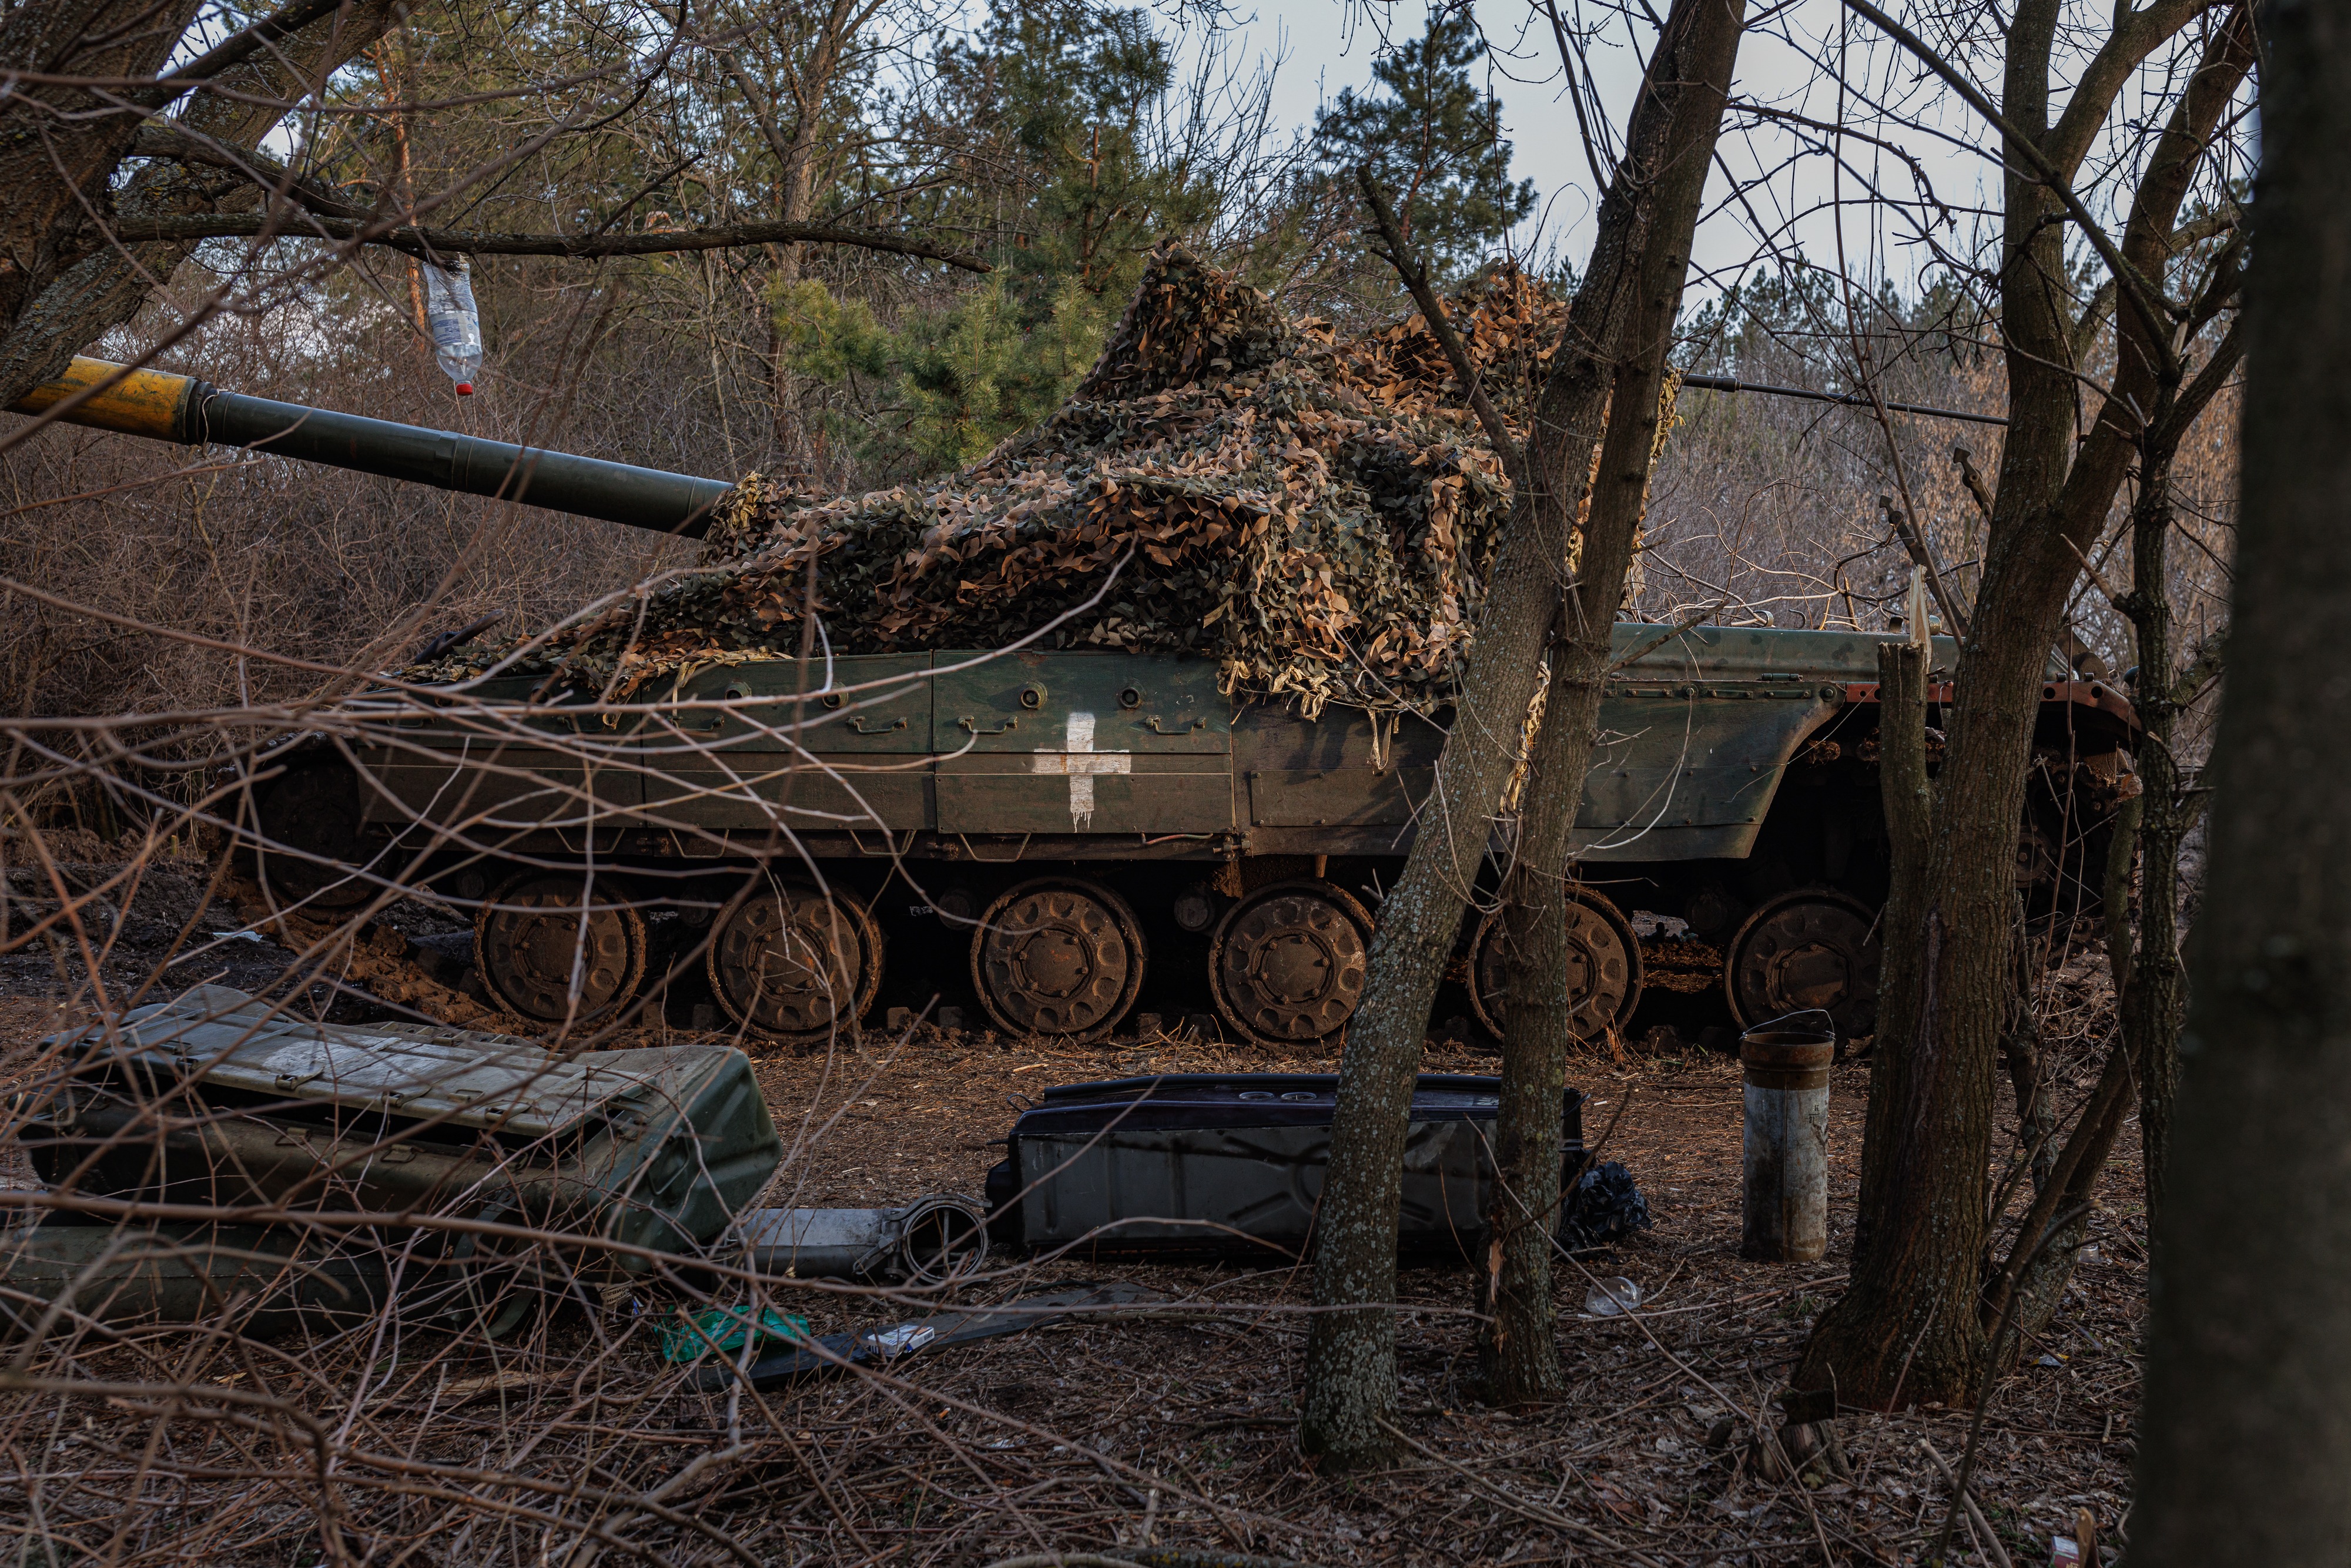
1855	400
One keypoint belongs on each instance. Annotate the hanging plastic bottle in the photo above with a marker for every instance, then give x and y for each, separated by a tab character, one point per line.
456	325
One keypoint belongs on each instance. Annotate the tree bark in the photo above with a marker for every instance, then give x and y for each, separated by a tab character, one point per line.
1910	1325
1900	1119
392	67
86	284
2153	997
2247	1432
2145	1051
1350	1373
2146	1048
1909	804
59	145
1518	1348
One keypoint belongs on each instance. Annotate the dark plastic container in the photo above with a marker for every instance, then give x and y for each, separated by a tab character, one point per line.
1234	1163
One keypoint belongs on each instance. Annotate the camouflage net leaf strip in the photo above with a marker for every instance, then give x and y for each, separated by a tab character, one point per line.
1317	517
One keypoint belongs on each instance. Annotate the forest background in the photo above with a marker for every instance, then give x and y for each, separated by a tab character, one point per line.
1000	174
1057	142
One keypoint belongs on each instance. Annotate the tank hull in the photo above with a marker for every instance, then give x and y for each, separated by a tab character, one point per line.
1735	768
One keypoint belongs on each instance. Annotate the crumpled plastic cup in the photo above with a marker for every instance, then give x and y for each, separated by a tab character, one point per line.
1610	1298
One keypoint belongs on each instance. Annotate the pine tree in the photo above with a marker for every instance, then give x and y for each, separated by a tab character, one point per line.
1433	139
1054	106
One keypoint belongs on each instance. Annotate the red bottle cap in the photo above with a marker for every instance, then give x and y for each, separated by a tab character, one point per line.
465	388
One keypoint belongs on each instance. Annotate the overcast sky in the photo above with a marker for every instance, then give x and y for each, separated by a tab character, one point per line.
1331	46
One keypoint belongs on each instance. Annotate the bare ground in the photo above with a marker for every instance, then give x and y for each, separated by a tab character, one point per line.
1173	1425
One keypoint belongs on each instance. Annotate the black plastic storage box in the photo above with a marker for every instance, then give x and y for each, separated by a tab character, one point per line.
1233	1163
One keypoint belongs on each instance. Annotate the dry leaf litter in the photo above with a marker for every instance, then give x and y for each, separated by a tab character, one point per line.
1166	1428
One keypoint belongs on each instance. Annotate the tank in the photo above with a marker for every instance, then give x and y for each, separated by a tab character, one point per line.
192	413
1067	839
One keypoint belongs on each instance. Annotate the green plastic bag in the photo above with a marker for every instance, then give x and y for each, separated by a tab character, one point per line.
723	1329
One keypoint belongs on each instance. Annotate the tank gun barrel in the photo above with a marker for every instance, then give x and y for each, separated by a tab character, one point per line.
193	413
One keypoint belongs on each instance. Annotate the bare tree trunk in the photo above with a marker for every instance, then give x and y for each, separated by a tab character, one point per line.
1911	1324
809	84
1518	1351
1350	1373
2028	1073
2153	999
1897	1122
1909	803
86	286
60	145
2146	1053
2247	1432
392	67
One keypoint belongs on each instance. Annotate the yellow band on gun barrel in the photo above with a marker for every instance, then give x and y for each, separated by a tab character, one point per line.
143	402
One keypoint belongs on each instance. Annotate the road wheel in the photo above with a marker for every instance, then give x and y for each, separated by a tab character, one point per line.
1059	956
543	929
311	835
1814	948
793	964
1286	964
1602	967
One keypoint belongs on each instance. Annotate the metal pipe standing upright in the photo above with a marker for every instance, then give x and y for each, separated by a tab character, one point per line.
1786	1187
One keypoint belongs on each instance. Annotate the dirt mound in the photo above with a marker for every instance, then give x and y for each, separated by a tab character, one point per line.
1228	482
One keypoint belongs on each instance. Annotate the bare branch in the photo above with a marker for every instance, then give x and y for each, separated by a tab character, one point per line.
175	144
1923	557
425	242
240	47
1432	311
2144	296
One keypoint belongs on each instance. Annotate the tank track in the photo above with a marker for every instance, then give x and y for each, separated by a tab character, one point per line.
369	953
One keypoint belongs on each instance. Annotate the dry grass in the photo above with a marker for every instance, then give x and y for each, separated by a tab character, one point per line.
1172	1425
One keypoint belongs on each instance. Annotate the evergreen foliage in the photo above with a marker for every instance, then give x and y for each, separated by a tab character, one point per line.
1054	107
1434	138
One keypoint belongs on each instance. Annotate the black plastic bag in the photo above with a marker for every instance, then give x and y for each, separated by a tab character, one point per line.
1606	1206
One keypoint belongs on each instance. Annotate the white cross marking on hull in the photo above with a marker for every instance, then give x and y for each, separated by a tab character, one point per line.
1083	765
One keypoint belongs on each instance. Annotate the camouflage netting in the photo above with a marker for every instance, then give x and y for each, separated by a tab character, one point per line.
1319	516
